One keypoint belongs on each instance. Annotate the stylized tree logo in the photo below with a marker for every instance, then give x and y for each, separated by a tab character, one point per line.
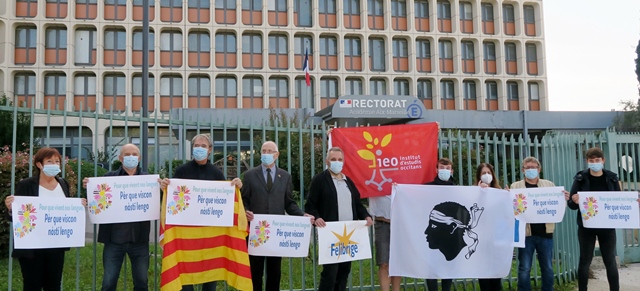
261	234
373	150
102	199
591	208
180	201
519	204
26	215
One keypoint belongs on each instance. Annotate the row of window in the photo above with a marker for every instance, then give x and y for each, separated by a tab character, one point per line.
226	49
225	13
198	94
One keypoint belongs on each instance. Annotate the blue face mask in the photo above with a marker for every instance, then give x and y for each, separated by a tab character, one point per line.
130	162
531	173
596	167
51	170
199	153
336	166
444	174
267	159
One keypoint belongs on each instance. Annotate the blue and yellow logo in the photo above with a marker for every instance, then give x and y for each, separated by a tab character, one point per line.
344	245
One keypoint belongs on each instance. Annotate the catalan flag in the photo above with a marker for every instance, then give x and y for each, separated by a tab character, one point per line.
200	254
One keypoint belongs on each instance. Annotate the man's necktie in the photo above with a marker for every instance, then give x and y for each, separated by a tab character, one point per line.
269	180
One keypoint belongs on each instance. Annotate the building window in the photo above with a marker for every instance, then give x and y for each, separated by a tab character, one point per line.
444	16
55	46
304	94
252	12
351	13
84	92
377	87
225	11
170	92
114	93
138	10
328	91
199	50
532	59
85	47
137	48
422	15
401	87
277	12
278	52
302	44
115	47
353	86
226	49
446	90
400	55
488	26
398	14
512	90
446	56
423	55
25	48
508	17
327	11
26	8
199	11
86	9
115	9
511	58
469	90
376	54
171	49
56	8
24	89
468	57
534	91
352	54
375	9
252	92
466	17
490	66
328	53
278	93
199	92
171	10
252	51
302	13
492	90
226	92
136	94
425	89
55	91
529	20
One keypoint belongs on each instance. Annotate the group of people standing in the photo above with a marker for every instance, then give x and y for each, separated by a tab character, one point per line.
267	189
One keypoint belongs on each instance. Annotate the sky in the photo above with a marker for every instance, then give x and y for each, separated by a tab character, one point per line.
590	49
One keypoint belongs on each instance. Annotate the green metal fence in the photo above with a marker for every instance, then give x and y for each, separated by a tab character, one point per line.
302	147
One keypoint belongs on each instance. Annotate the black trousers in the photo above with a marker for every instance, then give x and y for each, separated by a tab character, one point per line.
334	277
43	271
432	284
607	241
273	272
494	284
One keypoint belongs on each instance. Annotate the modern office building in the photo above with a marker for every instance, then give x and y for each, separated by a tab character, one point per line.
450	54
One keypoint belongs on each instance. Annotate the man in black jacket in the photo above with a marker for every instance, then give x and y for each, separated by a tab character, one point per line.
595	178
444	168
334	197
129	238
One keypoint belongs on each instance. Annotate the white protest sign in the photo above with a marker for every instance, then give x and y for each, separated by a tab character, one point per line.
609	209
118	199
343	241
42	223
279	236
539	205
200	203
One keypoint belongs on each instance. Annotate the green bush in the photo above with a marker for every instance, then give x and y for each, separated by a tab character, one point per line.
86	171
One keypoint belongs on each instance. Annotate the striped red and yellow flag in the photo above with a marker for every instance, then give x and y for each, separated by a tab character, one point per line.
200	254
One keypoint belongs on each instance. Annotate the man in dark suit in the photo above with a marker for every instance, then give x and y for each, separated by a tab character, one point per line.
334	197
267	190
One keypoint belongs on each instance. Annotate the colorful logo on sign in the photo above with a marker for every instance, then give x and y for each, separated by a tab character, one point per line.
180	201
102	199
591	208
373	153
519	204
27	220
344	245
261	234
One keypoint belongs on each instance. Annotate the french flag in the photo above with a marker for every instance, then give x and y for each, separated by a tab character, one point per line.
306	67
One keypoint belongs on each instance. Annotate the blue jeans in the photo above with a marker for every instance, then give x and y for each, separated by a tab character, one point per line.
544	248
112	258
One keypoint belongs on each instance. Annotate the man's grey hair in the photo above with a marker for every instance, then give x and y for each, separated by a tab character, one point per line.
531	160
270	142
334	149
204	136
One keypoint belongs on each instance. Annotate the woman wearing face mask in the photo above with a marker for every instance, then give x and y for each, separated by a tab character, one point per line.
42	268
486	177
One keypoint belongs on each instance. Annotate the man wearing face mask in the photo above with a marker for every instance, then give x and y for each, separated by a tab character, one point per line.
267	190
334	197
129	238
539	236
200	168
444	168
595	178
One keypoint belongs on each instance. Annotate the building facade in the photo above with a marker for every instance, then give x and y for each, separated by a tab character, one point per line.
451	54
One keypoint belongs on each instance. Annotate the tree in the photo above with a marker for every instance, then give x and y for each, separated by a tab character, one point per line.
629	121
6	126
637	60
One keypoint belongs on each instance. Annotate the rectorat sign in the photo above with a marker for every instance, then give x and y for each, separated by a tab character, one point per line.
379	107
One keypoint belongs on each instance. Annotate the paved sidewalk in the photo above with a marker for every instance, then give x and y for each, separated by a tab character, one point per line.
629	276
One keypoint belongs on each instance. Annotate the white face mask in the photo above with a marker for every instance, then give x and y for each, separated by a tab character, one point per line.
486	178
